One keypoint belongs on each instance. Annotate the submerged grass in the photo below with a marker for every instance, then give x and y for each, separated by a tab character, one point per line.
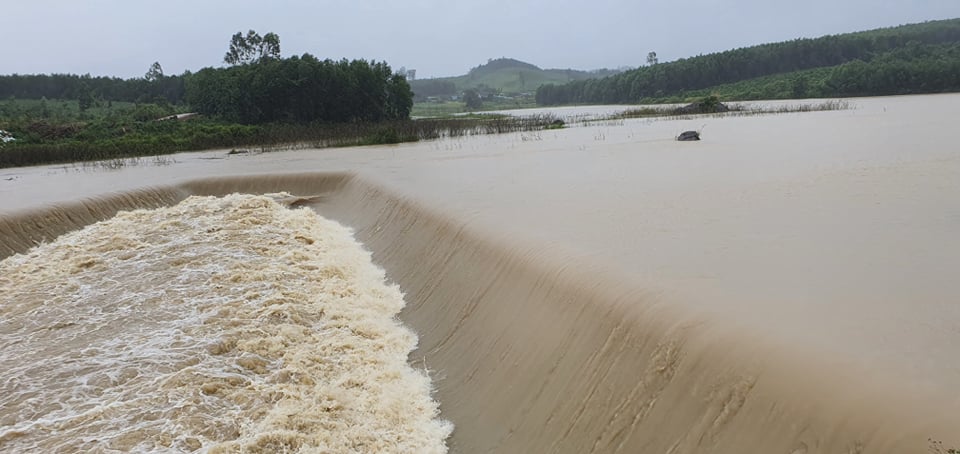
450	108
734	110
829	105
116	140
172	137
936	447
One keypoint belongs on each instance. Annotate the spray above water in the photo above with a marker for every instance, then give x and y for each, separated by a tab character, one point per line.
220	325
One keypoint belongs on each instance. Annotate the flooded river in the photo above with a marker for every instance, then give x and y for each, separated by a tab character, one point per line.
787	284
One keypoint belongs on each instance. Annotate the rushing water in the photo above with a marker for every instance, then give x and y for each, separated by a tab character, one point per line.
219	325
788	284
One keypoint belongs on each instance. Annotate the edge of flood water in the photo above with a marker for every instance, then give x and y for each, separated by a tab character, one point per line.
531	351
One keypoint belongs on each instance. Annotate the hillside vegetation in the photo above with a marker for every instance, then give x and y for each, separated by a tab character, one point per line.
918	58
504	76
259	101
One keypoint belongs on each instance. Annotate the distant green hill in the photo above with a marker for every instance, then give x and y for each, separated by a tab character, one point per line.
914	69
504	76
917	58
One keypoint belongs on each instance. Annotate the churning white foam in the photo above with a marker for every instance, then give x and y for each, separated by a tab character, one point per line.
218	325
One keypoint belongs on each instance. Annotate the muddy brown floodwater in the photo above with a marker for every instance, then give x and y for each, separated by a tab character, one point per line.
788	284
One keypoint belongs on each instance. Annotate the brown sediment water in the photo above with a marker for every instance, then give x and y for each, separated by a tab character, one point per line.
222	324
786	285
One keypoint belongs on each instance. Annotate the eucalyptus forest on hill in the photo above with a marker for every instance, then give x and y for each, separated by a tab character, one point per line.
918	58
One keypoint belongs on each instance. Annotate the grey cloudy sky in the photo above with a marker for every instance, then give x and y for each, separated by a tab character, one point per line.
436	37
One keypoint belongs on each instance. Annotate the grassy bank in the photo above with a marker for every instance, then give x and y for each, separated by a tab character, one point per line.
448	108
46	140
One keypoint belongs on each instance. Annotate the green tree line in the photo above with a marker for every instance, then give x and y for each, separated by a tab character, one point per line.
301	89
259	87
260	99
170	89
705	71
912	70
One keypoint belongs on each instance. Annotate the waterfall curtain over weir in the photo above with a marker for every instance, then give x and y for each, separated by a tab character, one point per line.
784	285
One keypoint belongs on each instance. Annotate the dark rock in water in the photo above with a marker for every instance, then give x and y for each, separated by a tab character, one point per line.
688	135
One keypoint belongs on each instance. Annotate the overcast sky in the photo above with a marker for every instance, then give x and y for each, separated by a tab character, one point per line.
435	37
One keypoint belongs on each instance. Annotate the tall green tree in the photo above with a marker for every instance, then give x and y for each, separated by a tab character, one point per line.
252	48
652	59
155	72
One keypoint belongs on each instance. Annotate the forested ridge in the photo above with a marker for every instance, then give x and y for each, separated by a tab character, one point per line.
917	58
258	86
258	102
275	89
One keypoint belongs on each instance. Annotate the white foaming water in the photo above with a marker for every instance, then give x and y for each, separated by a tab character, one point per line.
218	325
